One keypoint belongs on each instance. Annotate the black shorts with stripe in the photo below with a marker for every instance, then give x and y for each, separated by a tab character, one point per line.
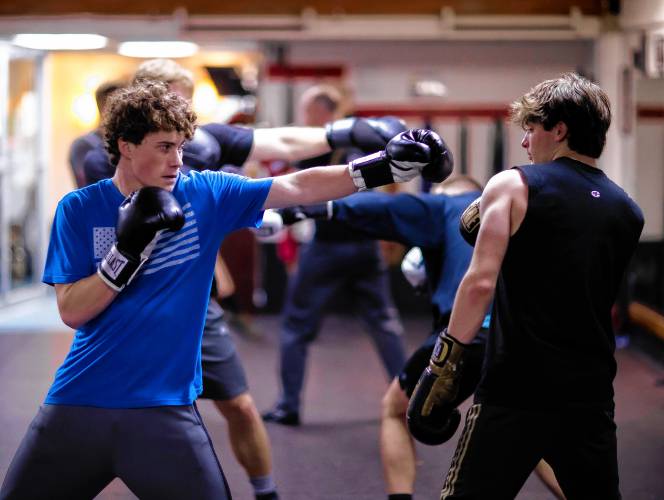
499	447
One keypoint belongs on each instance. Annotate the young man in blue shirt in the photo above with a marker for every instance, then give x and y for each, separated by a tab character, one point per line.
213	146
131	259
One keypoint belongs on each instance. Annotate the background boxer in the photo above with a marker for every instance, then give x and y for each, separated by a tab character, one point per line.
430	222
82	145
336	262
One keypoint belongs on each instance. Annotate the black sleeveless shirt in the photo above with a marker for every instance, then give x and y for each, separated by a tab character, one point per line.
551	341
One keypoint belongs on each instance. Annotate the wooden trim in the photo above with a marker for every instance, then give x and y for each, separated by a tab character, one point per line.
295	7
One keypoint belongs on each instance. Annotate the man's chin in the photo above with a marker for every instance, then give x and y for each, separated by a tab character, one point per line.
168	183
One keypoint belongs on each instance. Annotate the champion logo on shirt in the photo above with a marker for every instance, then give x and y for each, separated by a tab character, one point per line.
171	249
595	194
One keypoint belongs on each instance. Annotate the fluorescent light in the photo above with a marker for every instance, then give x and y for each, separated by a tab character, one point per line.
60	41
157	49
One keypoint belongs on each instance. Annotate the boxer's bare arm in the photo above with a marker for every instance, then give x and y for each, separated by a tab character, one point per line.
313	185
83	300
288	143
407	155
502	210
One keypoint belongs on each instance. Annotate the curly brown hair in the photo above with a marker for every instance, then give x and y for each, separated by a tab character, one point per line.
141	109
579	103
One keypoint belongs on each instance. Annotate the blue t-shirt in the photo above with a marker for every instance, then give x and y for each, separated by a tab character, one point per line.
144	349
428	221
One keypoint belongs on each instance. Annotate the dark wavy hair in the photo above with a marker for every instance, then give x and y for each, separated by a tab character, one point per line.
579	103
141	109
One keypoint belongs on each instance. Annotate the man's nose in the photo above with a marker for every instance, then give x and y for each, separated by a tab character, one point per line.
178	157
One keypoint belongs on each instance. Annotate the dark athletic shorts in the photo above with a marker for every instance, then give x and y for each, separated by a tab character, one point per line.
73	452
499	447
223	375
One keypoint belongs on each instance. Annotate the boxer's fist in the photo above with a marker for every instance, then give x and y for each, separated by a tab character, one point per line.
432	414
367	134
442	163
142	216
297	213
272	228
406	156
469	222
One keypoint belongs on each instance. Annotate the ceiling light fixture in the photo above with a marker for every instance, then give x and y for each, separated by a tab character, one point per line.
60	41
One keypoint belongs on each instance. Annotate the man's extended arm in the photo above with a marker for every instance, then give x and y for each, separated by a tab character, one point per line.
405	218
407	155
297	143
288	143
408	219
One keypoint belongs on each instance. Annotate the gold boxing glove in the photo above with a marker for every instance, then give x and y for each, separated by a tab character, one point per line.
432	414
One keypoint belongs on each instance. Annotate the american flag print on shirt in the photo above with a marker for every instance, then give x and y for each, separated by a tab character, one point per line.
171	248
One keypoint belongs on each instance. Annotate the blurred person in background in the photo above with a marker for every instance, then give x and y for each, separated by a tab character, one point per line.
92	140
335	263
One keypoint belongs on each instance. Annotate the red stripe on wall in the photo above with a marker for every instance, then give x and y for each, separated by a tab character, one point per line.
284	71
650	111
496	111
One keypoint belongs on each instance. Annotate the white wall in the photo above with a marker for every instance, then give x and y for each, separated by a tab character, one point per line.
649	167
476	74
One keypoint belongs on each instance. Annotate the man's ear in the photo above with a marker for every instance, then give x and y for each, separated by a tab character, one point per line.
126	148
560	131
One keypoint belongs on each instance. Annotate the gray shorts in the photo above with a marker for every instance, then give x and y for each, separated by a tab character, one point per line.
73	452
223	375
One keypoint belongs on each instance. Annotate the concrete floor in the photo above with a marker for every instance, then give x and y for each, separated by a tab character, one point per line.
334	454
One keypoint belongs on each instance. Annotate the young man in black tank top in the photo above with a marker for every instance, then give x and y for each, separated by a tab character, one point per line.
554	241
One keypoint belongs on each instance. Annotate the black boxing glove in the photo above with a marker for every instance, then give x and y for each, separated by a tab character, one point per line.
297	213
432	415
406	156
202	152
443	423
367	134
142	216
442	162
469	222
